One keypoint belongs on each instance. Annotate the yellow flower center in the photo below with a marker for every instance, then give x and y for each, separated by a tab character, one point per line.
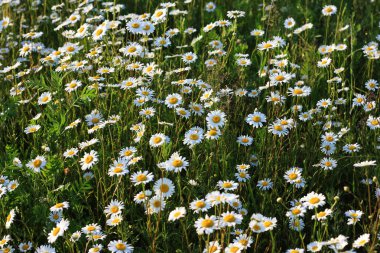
200	204
37	163
99	32
141	178
114	209
59	205
173	100
164	188
177	163
216	119
88	159
120	246
229	218
207	223
292	176
56	231
157	140
256	118
314	200
194	137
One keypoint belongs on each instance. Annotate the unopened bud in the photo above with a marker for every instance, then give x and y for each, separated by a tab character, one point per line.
346	189
279	200
336	198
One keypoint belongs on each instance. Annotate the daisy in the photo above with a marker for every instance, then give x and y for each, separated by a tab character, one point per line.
156	204
293	174
289	23
265	184
329	10
296	212
256	226
256	119
69	153
244	240
141	177
210	7
56	216
199	205
373	122
99	32
365	164
206	225
37	164
183	112
95	248
173	100
314	246
266	45
133	49
58	231
216	118
164	187
189	57
73	85
245	140
10	218
59	206
234	248
176	163
177	213
324	62
45	249
120	247
114	220
142	196
91	228
328	163
313	200
361	241
230	219
213	247
372	85
24	247
115	207
157	140
135	26
227	185
44	98
321	216
75	236
353	216
128	152
193	136
243	62
351	148
89	160
159	15
257	33
32	129
295	250
278	129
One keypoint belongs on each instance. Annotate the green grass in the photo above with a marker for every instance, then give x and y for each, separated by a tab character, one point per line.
211	160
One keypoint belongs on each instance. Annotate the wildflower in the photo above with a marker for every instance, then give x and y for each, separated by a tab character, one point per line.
164	187
177	213
89	160
329	10
313	200
58	231
206	225
120	247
